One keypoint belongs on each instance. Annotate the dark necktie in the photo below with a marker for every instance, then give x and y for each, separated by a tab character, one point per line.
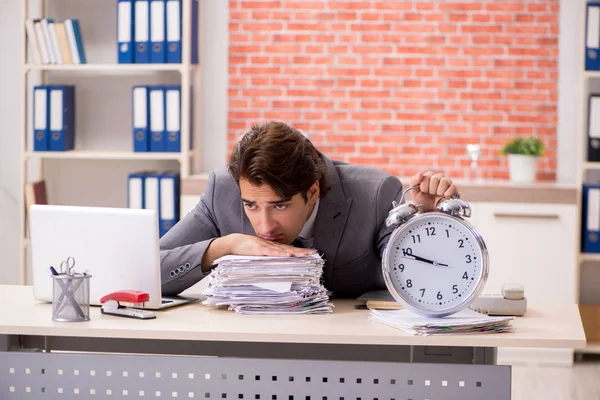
297	243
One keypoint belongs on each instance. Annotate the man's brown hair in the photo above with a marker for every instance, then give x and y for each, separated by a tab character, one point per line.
280	156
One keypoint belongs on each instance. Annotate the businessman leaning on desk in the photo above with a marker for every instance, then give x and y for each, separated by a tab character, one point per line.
280	196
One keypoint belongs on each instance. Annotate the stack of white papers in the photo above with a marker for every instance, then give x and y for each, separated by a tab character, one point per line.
269	285
465	321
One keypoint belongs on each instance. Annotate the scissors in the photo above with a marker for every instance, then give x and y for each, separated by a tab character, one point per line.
66	267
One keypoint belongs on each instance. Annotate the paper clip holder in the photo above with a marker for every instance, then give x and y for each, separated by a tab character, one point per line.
111	304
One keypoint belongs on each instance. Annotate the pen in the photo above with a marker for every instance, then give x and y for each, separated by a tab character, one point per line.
53	270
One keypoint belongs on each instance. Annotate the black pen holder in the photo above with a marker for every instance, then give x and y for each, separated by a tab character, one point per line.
71	297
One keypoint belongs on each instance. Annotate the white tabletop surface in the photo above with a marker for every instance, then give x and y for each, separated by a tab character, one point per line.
551	326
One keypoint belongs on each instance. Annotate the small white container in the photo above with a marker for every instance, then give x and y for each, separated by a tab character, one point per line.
522	168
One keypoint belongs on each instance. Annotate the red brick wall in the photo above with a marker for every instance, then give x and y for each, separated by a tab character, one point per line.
399	85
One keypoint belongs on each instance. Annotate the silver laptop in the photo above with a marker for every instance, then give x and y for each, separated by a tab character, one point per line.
119	247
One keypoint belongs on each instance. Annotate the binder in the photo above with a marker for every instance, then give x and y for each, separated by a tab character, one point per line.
41	111
172	137
195	56
75	41
41	40
135	190
152	192
157	32
32	41
142	31
141	140
157	118
62	118
125	26
590	237
47	41
173	31
593	135
63	43
592	37
169	201
53	35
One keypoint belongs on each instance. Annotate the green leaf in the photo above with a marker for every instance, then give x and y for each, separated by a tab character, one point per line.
530	146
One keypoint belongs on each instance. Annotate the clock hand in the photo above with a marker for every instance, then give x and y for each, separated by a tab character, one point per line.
414	257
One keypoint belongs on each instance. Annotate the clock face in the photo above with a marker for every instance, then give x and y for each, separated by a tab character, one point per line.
436	264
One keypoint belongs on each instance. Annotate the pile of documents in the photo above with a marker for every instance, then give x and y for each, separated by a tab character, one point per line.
465	321
269	285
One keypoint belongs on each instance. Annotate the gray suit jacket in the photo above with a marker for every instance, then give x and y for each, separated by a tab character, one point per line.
349	229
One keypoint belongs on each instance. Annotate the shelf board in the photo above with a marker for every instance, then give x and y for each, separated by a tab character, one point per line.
104	155
589	257
591	74
590	348
110	67
591	165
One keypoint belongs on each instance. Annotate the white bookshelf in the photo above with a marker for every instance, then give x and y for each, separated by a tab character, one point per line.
589	83
104	144
107	155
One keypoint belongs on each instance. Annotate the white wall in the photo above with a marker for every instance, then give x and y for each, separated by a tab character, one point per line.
570	64
103	115
10	70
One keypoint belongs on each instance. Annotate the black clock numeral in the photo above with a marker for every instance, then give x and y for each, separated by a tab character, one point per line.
455	289
468	257
401	266
465	276
407	251
416	238
447	233
439	296
461	243
422	292
408	283
430	231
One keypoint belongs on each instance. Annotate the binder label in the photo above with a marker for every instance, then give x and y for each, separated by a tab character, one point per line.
124	27
593	28
157	13
173	110
56	110
141	21
40	109
140	107
593	210
173	24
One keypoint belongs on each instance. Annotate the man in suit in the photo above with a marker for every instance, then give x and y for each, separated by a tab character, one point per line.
279	196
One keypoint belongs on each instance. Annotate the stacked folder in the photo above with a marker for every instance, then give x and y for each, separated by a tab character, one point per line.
156	191
269	285
156	118
55	42
592	36
53	118
463	322
149	31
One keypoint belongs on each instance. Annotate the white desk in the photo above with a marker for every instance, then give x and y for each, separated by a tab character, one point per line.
372	352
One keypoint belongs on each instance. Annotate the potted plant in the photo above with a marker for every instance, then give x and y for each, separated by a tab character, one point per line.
522	158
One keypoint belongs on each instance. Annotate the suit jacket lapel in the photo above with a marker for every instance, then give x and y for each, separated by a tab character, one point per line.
331	219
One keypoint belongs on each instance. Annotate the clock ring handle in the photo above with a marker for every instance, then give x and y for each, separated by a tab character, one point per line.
403	194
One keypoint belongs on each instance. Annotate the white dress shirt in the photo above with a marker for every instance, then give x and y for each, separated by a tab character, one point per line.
306	234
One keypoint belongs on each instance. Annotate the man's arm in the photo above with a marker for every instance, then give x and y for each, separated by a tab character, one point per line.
183	247
390	190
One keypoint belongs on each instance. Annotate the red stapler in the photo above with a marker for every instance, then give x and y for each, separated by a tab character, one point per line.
111	304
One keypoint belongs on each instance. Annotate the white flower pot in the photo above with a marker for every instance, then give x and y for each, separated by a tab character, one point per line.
522	168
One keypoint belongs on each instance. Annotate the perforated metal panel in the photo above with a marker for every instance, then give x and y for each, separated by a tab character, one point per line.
110	376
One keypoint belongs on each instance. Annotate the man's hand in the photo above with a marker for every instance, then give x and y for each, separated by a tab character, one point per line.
432	188
247	245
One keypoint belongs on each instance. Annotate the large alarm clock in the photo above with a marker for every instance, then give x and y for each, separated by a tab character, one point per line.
435	263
